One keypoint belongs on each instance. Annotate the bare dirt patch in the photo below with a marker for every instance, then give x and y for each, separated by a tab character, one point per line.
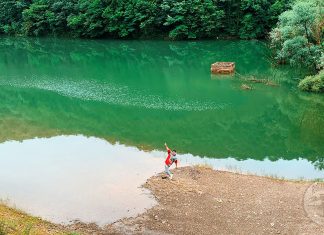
203	201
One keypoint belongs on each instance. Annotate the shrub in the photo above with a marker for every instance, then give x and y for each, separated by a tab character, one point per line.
313	83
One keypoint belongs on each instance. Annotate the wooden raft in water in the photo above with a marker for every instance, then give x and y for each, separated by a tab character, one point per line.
222	68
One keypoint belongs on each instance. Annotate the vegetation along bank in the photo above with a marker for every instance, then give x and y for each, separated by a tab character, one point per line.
295	27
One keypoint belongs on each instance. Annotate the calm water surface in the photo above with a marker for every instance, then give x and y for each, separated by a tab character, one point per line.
67	178
145	93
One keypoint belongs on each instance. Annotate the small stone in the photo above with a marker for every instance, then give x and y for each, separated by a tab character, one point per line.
272	224
246	87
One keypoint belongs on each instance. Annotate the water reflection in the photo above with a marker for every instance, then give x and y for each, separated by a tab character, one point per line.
65	178
143	93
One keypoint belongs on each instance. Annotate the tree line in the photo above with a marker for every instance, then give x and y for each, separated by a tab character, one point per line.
294	27
171	19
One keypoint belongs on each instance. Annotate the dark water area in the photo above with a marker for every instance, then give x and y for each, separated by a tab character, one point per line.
145	93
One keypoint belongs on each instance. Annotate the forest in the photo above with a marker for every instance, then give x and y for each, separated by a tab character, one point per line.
172	19
294	28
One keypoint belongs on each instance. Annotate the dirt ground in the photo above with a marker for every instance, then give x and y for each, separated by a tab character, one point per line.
199	200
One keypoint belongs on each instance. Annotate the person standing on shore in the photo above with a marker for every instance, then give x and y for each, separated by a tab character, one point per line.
171	158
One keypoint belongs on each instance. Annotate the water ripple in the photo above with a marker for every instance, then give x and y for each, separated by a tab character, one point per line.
92	90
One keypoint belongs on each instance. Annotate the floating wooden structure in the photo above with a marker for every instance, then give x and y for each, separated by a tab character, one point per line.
222	68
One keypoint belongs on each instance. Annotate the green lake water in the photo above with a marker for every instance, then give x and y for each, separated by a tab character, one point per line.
145	93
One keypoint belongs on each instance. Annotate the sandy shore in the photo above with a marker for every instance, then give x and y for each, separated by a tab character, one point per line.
200	200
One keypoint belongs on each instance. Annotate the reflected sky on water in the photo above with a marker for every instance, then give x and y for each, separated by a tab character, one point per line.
65	178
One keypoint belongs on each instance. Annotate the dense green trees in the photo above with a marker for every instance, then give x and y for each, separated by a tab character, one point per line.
191	19
298	40
174	19
11	15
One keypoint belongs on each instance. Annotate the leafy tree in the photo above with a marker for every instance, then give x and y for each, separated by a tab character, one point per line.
62	10
192	19
231	21
146	17
120	18
295	39
254	18
88	20
11	15
36	18
260	16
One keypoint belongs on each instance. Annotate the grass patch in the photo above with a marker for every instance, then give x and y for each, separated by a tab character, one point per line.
2	229
16	222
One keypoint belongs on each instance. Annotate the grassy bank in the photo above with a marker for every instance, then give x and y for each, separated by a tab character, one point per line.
15	222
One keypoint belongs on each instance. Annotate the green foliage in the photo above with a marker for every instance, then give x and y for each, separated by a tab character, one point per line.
313	83
28	229
61	11
121	18
2	228
88	20
11	15
299	53
37	18
175	19
252	23
192	19
319	165
260	16
296	39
